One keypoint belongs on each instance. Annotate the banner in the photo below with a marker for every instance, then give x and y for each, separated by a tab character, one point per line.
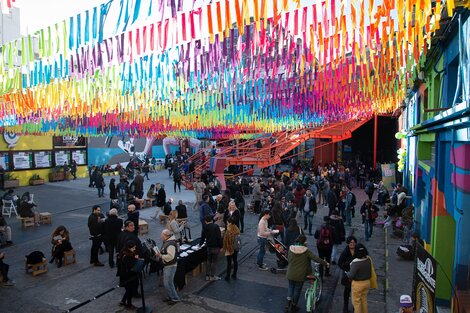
424	281
388	175
61	142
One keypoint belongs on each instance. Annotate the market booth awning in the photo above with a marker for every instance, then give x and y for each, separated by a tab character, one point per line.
216	69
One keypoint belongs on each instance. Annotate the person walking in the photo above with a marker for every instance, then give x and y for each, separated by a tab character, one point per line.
123	193
344	262
332	199
299	258
369	214
325	241
257	196
128	278
369	188
177	178
73	169
112	230
349	206
240	203
205	209
160	199
113	194
95	226
199	188
309	208
360	275
168	255
336	221
133	215
263	232
138	183
213	238
231	247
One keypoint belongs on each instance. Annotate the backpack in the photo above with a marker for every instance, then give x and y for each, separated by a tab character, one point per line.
368	188
353	199
324	240
34	257
237	242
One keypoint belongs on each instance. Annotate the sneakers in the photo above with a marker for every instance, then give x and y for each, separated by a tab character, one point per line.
263	267
98	264
213	278
208	278
8	283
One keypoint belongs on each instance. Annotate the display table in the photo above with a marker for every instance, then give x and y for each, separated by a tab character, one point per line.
189	262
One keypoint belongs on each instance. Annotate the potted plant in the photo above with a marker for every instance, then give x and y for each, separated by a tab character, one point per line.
36	180
11	181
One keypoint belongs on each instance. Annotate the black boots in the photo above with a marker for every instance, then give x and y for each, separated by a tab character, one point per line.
52	260
291	307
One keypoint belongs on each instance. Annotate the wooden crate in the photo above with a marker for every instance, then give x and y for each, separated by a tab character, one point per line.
36	269
143	227
45	218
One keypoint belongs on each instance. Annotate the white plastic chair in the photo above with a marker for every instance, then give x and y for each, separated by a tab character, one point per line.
8	208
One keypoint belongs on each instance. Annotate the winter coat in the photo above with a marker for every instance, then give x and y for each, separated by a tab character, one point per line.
299	258
229	237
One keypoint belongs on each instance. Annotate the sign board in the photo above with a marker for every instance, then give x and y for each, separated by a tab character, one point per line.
22	160
388	175
79	156
424	281
42	159
62	157
61	142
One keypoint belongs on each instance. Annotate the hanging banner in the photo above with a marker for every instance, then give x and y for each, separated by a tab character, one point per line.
424	281
388	175
61	142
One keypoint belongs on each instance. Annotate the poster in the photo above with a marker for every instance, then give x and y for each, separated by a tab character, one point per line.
61	142
4	160
79	156
61	157
424	281
42	159
388	175
22	160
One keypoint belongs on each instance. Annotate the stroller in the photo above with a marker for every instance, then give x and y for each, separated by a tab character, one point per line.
276	246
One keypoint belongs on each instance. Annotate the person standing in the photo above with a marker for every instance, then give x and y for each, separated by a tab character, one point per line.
112	230
2	178
128	278
199	188
263	232
146	169
231	247
369	214
113	194
133	215
309	208
240	203
331	199
73	169
325	241
336	221
344	262
205	209
95	226
213	238
257	196
233	213
299	258
138	183
4	271
406	304
160	198
123	193
369	188
100	184
177	178
168	255
360	274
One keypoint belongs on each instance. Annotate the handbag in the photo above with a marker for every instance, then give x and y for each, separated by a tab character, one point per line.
345	281
374	215
373	276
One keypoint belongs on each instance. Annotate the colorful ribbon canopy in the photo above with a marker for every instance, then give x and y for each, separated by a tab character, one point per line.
226	68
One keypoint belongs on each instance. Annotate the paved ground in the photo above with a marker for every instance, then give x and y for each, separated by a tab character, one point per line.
255	291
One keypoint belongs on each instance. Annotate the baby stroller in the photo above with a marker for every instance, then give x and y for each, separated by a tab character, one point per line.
276	246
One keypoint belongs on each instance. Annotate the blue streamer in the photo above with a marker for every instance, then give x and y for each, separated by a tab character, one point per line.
150	9
94	28
79	30
71	32
87	26
121	5
104	9
136	10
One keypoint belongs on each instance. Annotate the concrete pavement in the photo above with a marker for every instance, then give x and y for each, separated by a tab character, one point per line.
60	289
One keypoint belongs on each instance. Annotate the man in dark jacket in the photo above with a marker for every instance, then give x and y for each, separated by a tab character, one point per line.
213	238
309	209
138	185
325	240
112	229
160	199
128	234
95	227
331	199
204	208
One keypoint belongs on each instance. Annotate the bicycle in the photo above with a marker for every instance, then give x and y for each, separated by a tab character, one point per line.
313	292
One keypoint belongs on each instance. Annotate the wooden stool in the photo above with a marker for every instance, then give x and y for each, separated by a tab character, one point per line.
69	257
143	227
148	202
163	219
27	222
45	218
37	268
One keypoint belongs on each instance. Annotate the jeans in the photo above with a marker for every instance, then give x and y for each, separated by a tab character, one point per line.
348	216
100	191
368	226
4	270
111	248
95	246
325	254
308	221
168	282
131	289
262	251
294	290
234	258
242	221
212	254
177	183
